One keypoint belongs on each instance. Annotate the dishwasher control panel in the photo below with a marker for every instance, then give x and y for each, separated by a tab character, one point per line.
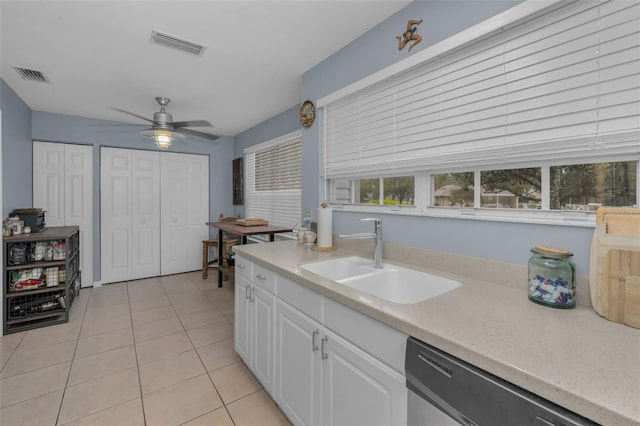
471	396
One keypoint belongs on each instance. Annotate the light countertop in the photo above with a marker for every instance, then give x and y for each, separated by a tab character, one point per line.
572	357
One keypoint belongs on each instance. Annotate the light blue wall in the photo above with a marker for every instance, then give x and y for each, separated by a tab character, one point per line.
507	242
16	150
377	49
62	128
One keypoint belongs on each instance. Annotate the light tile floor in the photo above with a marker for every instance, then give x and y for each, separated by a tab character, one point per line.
157	351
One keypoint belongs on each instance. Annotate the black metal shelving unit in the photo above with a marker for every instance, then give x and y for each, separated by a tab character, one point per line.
41	277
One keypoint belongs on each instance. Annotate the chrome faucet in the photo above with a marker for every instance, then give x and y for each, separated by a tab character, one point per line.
377	235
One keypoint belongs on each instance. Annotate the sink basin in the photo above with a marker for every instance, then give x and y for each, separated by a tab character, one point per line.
393	283
341	268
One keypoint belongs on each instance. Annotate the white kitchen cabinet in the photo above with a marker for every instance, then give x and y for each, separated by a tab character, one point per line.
324	379
357	388
299	367
300	346
263	339
254	329
242	319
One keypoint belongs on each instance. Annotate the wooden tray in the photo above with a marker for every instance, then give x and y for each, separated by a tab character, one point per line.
252	222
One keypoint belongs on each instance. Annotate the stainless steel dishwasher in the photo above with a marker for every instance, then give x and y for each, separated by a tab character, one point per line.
444	390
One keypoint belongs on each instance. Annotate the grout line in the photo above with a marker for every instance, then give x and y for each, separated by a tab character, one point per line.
84	317
14	351
224	405
66	383
135	353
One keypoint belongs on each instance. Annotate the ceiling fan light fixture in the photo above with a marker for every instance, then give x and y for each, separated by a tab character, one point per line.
163	139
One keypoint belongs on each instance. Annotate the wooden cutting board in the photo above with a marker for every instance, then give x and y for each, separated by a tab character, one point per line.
614	265
252	222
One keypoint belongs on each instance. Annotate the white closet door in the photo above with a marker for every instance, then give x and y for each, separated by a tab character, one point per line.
48	181
63	187
115	214
130	214
185	211
78	206
146	214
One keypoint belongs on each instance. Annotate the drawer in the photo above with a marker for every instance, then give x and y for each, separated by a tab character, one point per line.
264	278
378	339
301	298
243	267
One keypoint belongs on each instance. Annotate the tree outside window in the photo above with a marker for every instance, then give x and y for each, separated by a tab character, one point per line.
398	190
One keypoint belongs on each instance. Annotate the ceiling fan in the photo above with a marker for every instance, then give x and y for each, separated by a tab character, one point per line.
163	129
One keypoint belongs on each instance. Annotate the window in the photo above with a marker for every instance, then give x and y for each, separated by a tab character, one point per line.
510	188
453	190
530	116
582	187
274	180
388	191
589	186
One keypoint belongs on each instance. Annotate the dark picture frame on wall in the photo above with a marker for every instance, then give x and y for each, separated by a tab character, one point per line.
237	182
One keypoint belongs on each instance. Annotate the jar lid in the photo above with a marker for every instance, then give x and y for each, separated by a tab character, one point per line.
551	251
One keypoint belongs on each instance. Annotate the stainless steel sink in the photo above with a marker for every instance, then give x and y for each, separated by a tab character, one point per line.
393	283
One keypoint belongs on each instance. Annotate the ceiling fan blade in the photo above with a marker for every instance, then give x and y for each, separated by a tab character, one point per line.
119	124
192	123
196	133
135	115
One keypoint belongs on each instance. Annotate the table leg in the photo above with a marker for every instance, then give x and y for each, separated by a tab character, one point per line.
220	258
272	237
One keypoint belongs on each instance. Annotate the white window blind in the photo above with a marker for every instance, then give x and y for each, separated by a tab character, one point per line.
274	180
562	85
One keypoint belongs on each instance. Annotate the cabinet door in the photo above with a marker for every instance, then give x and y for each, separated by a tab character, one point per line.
263	307
358	389
298	364
242	319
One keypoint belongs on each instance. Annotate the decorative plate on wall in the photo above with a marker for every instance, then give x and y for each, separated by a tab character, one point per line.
307	114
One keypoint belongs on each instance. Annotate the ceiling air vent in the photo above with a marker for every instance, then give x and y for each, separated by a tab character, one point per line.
177	43
32	75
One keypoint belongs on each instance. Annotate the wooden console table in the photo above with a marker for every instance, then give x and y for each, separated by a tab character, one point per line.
242	232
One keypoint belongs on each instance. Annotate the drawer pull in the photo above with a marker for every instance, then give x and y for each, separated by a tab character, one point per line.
322	342
314	347
240	266
261	277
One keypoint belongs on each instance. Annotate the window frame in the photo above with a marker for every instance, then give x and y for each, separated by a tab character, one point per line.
250	192
424	198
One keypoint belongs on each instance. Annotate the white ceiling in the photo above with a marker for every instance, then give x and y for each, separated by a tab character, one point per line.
98	54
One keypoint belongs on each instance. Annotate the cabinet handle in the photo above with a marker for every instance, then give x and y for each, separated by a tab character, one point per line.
240	266
324	355
314	347
252	298
261	277
247	291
